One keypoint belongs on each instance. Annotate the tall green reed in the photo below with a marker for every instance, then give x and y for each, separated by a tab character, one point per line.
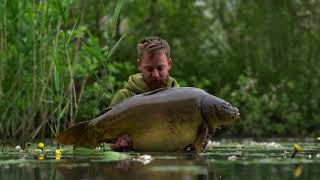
47	56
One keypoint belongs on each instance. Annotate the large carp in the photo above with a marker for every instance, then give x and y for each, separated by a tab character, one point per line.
167	119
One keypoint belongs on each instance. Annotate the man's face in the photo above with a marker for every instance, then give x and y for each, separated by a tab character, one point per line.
155	69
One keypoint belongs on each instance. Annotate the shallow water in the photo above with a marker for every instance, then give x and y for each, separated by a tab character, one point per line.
221	160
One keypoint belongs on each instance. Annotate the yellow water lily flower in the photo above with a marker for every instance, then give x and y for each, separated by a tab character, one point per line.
58	152
41	145
318	139
296	148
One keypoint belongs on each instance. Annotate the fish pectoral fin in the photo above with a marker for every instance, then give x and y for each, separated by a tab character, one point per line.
201	140
154	91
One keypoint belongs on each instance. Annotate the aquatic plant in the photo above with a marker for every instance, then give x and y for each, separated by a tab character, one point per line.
296	149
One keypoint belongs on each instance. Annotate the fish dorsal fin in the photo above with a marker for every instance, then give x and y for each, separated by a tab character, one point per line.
155	91
106	110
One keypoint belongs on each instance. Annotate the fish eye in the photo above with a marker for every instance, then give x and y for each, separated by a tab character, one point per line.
224	105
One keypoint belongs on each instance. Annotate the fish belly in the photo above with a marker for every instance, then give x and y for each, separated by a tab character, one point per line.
163	135
168	132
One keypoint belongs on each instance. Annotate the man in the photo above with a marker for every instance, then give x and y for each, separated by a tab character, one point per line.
154	63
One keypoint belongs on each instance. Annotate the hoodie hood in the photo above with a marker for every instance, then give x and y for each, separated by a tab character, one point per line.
137	85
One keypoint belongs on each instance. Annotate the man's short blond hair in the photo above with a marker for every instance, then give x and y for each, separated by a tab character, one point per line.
153	44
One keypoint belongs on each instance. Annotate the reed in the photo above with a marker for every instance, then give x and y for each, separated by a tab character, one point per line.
47	54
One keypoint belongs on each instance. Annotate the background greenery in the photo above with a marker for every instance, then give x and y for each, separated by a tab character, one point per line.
61	61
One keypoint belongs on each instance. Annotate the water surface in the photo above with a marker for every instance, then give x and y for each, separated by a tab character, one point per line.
221	160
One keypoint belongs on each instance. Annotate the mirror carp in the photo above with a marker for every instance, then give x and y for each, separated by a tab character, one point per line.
164	120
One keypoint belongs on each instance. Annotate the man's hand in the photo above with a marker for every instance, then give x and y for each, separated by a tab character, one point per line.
124	143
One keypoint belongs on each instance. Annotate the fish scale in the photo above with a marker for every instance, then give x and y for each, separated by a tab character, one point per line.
163	120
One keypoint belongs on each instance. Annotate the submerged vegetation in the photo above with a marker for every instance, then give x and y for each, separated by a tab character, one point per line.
62	61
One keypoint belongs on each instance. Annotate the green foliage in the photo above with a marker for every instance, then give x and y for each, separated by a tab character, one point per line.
271	112
52	67
260	55
62	61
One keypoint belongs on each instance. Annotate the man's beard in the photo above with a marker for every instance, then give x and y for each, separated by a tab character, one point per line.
156	84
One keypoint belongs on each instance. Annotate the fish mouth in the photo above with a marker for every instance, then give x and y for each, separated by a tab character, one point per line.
236	116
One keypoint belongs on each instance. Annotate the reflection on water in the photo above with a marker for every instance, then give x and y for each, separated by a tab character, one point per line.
253	162
298	170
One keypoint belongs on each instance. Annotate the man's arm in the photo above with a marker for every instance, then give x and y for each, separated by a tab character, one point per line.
123	142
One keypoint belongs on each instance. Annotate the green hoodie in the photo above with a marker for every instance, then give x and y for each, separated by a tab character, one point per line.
136	85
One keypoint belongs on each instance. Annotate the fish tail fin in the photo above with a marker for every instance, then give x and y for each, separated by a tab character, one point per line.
81	134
